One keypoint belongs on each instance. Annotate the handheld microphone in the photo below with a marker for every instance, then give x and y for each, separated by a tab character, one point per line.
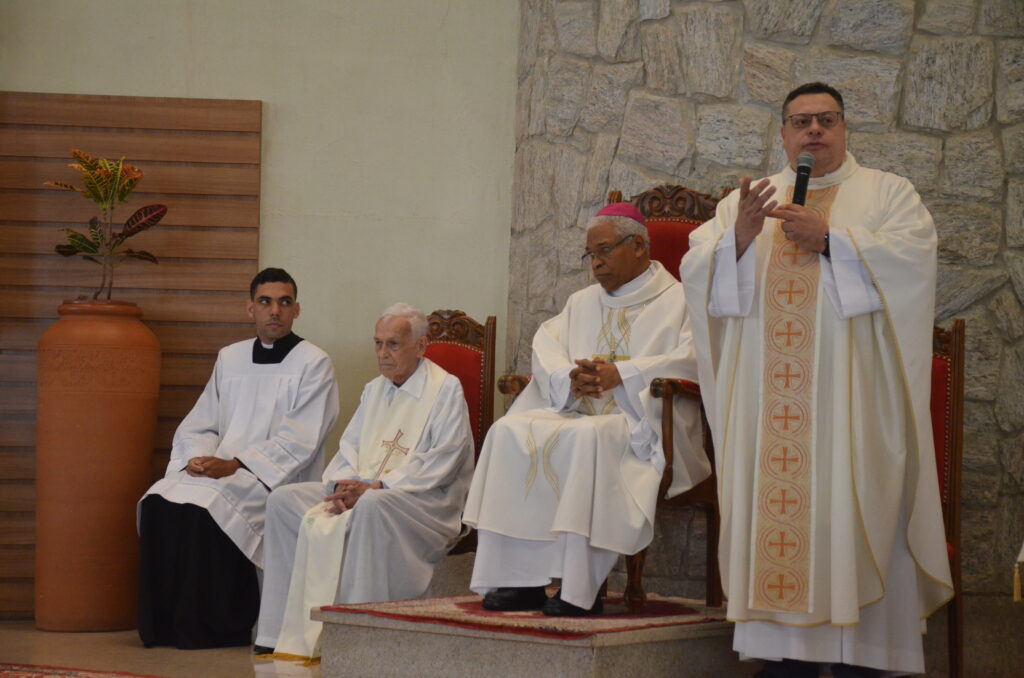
804	163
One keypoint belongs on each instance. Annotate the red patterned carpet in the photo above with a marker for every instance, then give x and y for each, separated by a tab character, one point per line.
466	612
34	671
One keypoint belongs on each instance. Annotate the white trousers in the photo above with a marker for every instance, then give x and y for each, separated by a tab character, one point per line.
508	562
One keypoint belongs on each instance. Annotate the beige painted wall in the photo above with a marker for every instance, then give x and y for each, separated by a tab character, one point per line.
387	132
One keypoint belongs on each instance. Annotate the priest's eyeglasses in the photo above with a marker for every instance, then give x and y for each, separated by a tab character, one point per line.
602	252
828	119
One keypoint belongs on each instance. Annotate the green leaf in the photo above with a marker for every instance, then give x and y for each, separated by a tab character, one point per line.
92	259
87	162
139	254
66	250
144	217
63	186
81	242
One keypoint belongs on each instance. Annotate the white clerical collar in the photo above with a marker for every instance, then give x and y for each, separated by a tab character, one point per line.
413	386
634	284
841	174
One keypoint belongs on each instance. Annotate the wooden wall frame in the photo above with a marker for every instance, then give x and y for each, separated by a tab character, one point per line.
202	159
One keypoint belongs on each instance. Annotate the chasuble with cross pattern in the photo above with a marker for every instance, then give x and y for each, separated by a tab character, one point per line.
815	376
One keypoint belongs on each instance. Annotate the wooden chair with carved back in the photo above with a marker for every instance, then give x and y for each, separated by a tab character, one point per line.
465	348
672	213
947	408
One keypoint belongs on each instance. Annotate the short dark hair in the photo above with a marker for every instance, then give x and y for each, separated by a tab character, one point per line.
814	88
269	275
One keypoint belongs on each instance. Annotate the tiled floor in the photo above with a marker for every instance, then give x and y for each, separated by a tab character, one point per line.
21	643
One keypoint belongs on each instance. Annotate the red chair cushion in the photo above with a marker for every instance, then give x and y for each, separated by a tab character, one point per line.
940	419
670	240
467	364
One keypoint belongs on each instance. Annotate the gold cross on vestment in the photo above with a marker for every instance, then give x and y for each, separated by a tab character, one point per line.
391	446
609	357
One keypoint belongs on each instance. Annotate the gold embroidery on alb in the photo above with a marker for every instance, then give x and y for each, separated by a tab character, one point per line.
783	534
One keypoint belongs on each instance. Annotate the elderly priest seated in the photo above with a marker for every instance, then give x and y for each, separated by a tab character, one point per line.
568	479
390	503
260	423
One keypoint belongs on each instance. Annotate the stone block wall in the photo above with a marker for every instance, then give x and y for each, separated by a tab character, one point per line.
627	94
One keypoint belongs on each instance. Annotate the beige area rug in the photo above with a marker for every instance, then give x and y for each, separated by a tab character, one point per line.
467	612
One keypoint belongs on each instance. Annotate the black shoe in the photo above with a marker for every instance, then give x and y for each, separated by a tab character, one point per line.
515	599
556	607
262	649
788	668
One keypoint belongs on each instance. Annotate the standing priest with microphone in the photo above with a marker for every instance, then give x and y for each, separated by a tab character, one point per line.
813	324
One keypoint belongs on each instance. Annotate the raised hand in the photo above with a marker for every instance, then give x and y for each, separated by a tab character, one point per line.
754	207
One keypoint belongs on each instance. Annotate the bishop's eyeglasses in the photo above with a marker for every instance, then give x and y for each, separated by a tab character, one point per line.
827	119
603	252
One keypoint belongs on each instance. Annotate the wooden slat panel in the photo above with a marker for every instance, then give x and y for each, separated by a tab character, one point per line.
17	463
35	271
17	366
17	430
175	403
17	598
18	562
42	302
164	242
17	528
201	159
199	179
67	207
17	399
26	108
134	145
17	496
186	370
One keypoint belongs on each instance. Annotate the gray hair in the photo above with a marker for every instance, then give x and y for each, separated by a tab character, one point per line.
417	320
622	226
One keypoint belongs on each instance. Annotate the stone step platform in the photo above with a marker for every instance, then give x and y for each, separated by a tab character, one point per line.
452	636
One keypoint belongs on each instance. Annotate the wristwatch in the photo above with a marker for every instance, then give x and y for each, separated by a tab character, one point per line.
825	252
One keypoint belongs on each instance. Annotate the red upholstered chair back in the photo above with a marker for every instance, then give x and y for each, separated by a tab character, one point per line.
671	212
465	348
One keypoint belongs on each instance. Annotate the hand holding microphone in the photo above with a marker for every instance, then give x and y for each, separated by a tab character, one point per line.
803	226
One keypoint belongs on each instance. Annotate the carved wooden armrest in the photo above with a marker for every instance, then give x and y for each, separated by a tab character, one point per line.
512	384
666	388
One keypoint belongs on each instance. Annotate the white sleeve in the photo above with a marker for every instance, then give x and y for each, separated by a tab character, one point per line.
344	464
198	435
558	390
732	287
846	281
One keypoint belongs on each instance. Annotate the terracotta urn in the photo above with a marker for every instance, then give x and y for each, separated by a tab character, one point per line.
98	385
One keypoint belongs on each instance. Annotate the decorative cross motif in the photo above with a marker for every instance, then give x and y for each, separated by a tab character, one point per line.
785	417
391	446
790	292
794	254
782	544
788	374
785	459
781	587
789	333
783	502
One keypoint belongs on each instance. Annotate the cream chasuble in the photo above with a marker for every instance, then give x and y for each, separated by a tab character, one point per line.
592	467
320	551
867	479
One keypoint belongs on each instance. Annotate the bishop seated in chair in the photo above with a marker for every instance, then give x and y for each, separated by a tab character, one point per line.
569	478
390	504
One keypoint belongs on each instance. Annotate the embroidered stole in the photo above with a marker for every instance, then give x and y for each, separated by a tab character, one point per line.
784	477
388	434
614	337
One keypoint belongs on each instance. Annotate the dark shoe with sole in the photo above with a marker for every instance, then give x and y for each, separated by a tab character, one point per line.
556	607
515	599
262	649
